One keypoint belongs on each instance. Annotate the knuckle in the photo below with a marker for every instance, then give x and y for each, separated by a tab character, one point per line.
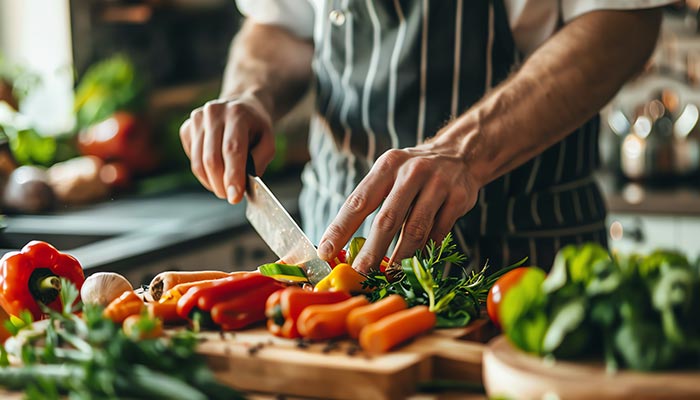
387	222
333	232
356	203
232	147
419	167
417	229
391	159
196	114
211	163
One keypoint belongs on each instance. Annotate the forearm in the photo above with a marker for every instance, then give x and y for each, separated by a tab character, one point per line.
561	86
269	63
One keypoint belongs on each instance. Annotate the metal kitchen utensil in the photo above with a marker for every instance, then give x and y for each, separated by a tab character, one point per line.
279	230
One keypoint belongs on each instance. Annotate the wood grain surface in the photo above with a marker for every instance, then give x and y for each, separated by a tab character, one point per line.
255	361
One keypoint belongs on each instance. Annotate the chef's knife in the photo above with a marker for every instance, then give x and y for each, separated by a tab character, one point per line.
279	230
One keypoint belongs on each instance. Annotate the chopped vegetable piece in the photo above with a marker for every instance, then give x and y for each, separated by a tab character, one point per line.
129	303
281	269
388	332
360	317
327	321
342	278
284	307
247	308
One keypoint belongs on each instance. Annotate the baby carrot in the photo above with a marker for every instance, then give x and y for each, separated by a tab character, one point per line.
327	321
365	315
381	336
166	311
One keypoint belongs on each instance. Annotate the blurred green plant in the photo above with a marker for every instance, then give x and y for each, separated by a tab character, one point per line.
108	86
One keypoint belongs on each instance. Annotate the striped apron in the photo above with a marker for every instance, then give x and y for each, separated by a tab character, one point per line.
390	74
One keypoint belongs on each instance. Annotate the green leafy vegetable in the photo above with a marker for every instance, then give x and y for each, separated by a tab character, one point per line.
91	357
638	312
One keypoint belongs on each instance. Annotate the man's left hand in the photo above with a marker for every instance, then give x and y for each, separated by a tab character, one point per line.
422	191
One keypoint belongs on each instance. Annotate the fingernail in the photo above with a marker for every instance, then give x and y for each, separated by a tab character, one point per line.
325	250
231	193
360	266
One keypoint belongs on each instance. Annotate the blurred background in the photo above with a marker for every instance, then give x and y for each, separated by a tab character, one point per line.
92	94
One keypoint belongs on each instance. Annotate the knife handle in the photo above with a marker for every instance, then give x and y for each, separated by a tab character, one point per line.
250	166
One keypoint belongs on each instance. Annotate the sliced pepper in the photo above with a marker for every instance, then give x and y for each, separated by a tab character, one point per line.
342	278
284	306
283	272
31	276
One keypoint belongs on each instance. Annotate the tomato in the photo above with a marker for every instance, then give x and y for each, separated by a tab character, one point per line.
122	137
498	291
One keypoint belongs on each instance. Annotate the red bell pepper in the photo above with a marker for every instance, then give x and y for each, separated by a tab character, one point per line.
31	275
284	306
340	258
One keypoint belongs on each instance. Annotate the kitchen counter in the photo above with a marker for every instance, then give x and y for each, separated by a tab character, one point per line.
136	233
637	198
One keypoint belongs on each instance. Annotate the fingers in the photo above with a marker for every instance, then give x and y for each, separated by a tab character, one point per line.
211	149
196	146
217	138
420	221
235	149
386	224
366	197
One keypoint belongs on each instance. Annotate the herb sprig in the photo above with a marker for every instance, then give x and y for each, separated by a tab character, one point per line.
421	280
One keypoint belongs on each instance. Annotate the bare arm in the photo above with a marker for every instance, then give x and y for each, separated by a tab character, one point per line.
271	63
425	189
560	87
268	71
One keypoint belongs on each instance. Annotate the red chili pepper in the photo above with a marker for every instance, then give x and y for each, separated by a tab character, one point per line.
246	308
341	258
283	308
205	296
31	275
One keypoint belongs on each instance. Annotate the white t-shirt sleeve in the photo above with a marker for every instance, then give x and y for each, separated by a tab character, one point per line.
571	9
297	16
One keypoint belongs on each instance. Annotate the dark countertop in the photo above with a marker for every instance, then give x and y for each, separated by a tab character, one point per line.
681	198
140	229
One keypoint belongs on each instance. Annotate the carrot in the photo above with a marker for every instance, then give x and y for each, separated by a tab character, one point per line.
175	292
128	303
165	311
165	281
381	336
326	321
365	315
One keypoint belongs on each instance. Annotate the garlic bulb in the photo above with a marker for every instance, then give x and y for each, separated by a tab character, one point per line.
103	287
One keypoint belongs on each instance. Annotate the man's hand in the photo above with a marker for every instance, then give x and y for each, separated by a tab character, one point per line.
268	71
217	138
423	190
563	84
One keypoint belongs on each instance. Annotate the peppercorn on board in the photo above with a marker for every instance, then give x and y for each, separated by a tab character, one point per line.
255	360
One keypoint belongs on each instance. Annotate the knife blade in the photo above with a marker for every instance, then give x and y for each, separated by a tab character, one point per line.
279	230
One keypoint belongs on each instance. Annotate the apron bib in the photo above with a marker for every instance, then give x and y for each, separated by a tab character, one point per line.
390	74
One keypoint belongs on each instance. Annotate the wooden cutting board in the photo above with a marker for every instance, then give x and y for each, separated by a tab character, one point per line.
254	360
511	373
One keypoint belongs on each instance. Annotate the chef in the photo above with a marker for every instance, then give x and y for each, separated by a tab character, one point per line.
472	116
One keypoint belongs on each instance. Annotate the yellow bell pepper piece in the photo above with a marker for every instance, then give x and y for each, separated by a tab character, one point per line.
342	279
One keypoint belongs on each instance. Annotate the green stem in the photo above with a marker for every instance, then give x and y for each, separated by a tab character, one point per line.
50	283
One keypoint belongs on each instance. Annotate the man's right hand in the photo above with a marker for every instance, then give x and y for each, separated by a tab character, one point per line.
217	138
